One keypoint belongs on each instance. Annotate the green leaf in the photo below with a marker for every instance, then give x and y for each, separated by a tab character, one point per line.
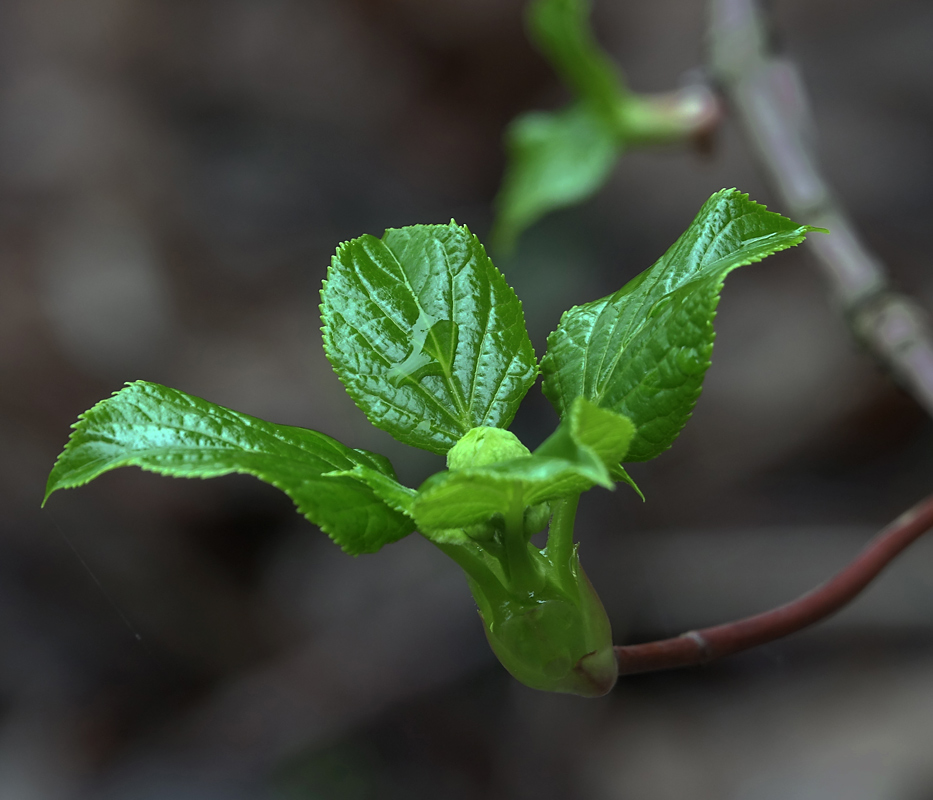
386	488
561	30
554	160
619	474
558	159
561	158
172	433
587	426
643	351
425	334
577	456
466	497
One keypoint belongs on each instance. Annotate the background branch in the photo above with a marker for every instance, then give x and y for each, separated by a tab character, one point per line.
698	647
766	93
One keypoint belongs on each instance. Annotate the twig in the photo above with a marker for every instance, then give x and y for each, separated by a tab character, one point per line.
698	647
765	91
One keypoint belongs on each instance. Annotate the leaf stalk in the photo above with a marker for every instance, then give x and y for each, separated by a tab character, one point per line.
559	549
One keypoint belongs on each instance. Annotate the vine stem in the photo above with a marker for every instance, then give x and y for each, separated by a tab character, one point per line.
766	92
698	647
559	548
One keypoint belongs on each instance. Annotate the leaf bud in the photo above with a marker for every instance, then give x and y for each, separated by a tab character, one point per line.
558	639
536	518
480	447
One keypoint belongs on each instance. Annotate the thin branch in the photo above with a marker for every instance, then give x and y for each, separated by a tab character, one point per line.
698	647
766	93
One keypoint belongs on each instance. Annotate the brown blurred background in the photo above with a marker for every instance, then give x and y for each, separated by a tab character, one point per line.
174	177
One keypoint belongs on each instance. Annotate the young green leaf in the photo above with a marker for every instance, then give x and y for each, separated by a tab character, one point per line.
385	487
577	456
470	496
554	160
425	334
560	158
561	30
605	433
643	351
172	433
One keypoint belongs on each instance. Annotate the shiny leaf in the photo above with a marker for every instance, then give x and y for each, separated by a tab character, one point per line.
384	486
643	351
425	334
172	433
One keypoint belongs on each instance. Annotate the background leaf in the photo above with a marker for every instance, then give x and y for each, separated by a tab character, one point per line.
554	160
643	351
425	334
560	158
561	30
172	433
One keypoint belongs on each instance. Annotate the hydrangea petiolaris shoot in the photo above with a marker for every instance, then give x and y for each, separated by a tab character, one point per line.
430	342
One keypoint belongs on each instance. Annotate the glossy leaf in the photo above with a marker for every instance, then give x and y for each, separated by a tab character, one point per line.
425	334
577	456
172	433
643	351
384	486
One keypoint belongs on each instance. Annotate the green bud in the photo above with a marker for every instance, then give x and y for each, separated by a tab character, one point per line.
480	447
536	518
543	620
558	639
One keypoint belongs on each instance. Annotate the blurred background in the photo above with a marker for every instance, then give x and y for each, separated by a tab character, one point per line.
174	177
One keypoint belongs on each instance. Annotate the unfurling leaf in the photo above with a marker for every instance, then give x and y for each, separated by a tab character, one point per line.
643	352
580	454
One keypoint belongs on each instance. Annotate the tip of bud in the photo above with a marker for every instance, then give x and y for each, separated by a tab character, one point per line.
595	674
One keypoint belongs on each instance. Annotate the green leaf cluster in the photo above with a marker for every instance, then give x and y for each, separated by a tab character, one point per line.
430	342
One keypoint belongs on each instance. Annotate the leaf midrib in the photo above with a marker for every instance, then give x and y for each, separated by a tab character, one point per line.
715	269
464	419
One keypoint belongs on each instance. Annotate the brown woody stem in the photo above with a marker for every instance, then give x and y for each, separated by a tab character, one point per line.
698	647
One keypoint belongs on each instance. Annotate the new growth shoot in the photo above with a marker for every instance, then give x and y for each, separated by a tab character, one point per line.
430	342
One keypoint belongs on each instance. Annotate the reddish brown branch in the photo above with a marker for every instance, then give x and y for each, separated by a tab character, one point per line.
698	647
